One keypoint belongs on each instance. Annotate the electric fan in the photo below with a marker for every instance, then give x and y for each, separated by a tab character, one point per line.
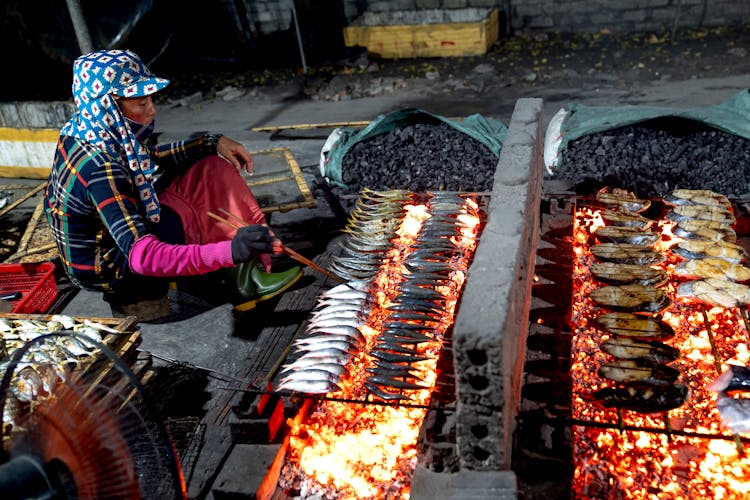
80	427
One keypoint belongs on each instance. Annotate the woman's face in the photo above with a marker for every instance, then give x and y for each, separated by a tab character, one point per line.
138	109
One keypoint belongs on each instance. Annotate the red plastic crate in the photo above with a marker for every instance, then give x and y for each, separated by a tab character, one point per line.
35	281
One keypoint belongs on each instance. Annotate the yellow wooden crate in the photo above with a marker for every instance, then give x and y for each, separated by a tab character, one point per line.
426	40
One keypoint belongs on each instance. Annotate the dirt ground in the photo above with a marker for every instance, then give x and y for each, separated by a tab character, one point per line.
514	66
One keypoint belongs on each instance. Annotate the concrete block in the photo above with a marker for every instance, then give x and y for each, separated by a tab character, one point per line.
496	485
259	427
245	474
490	331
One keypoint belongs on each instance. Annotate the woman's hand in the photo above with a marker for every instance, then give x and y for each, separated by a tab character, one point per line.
235	153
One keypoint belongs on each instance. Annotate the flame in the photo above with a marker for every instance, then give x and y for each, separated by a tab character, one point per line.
348	450
610	463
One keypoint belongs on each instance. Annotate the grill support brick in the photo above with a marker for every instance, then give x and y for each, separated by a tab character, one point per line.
492	322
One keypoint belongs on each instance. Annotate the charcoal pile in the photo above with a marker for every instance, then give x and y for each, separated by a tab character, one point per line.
652	160
420	157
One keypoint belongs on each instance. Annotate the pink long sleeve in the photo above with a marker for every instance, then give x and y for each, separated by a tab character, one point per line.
151	257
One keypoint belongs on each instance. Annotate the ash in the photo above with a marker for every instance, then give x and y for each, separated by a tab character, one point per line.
653	159
420	158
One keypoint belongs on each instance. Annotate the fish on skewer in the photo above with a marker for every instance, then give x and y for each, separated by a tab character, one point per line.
619	218
626	234
638	371
696	229
626	274
627	254
621	199
715	292
734	412
697	197
644	399
712	267
736	378
634	325
700	249
630	348
701	212
631	298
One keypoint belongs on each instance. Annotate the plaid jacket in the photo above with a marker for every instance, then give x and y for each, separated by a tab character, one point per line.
94	210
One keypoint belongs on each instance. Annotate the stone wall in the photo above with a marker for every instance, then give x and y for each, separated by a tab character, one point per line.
625	15
537	15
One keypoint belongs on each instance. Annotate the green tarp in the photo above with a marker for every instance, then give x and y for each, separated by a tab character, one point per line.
733	116
488	131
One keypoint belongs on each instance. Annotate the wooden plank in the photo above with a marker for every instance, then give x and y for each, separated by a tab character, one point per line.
23	198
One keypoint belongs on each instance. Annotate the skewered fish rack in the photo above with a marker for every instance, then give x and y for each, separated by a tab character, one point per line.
711	330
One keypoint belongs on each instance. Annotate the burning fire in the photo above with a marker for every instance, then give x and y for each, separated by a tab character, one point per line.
355	450
614	463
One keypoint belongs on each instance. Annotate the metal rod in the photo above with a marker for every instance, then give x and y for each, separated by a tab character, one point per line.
711	341
635	428
221	376
335	400
299	38
286	250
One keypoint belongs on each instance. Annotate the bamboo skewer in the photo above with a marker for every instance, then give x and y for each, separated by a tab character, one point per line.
286	250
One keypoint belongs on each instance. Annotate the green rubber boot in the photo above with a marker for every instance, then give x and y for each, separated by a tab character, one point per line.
253	285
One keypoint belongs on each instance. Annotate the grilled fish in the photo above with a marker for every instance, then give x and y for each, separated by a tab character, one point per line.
622	199
636	298
626	253
309	386
647	399
383	394
697	197
626	234
695	229
618	218
630	348
715	292
636	371
712	267
634	325
701	212
734	412
626	274
699	249
737	378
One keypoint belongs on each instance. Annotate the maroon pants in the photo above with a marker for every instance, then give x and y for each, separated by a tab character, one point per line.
209	185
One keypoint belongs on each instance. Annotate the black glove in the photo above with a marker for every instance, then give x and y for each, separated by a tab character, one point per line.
250	241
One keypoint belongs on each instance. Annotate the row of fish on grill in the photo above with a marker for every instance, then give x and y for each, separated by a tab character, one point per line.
625	255
413	327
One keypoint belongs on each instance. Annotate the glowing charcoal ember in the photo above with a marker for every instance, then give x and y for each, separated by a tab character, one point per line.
614	463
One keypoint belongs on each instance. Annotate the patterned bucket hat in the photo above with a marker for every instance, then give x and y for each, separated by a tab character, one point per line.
97	78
